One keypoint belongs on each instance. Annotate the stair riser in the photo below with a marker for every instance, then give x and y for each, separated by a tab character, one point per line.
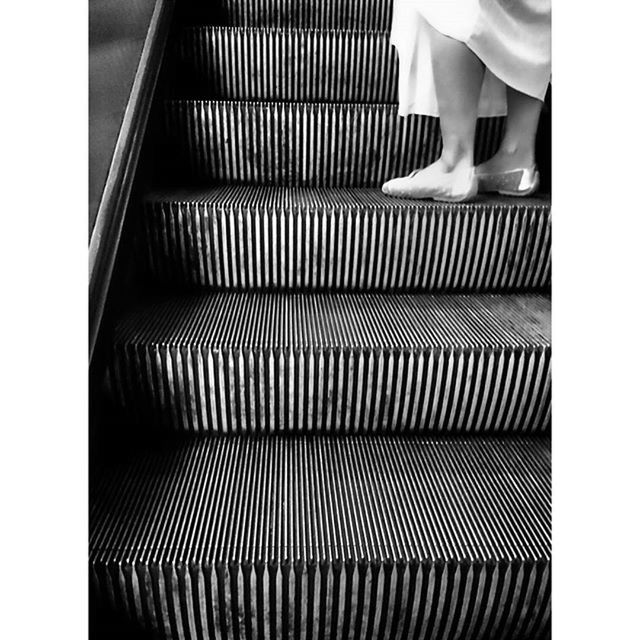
202	389
326	600
303	14
330	247
298	144
307	66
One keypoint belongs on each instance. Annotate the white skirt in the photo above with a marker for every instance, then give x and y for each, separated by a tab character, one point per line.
511	37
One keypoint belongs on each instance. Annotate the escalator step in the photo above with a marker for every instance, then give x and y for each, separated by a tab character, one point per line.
304	144
346	363
302	14
290	65
247	237
326	537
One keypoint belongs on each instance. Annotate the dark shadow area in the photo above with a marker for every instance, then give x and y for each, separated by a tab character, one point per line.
543	145
105	624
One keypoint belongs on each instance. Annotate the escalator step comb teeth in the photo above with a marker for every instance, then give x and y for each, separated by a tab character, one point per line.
337	363
252	237
299	14
306	144
316	537
288	65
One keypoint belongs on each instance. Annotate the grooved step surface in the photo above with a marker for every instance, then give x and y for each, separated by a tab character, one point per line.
303	14
372	538
350	239
291	65
305	144
239	362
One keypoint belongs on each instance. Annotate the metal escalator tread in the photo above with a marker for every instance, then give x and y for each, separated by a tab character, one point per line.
452	534
306	362
304	143
246	237
302	14
304	65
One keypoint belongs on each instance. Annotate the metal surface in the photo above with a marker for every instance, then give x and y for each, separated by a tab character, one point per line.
304	14
298	65
324	538
310	144
117	33
369	495
130	124
249	237
340	363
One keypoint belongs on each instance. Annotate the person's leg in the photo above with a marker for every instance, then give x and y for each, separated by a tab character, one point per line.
517	150
458	76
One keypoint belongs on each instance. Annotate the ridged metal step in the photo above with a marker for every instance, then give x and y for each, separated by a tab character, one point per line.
339	363
305	144
287	64
331	538
247	237
303	14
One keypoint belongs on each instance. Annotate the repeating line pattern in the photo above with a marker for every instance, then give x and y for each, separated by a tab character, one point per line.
339	363
324	538
307	144
302	14
298	65
246	237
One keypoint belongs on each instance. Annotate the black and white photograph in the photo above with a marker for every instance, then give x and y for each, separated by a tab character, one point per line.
321	302
328	323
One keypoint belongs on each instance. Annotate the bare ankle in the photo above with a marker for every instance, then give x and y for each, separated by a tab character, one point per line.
452	161
514	154
457	152
508	158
